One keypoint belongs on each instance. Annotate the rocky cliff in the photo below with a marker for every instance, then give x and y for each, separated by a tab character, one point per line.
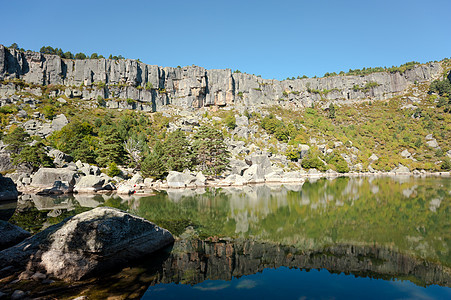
152	87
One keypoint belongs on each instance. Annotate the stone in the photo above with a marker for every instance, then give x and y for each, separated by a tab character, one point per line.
179	180
59	122
88	243
90	183
405	153
60	159
448	153
401	169
254	174
58	188
125	189
8	190
235	180
432	143
136	179
201	180
11	235
148	182
237	166
38	276
262	160
18	294
373	158
303	150
293	177
61	100
46	177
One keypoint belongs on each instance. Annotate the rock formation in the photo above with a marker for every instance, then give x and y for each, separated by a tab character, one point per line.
87	243
150	87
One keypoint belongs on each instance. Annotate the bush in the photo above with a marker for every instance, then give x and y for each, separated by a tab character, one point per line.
446	164
313	162
113	170
230	121
339	163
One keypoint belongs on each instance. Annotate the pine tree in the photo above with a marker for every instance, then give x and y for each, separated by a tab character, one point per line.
211	151
16	140
111	148
153	164
178	155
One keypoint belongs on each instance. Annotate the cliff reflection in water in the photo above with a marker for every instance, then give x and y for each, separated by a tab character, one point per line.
194	261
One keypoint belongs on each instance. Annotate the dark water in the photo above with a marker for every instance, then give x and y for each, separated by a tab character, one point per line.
361	238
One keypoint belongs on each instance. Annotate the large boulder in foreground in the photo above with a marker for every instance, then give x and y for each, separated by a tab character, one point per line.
87	243
8	190
11	235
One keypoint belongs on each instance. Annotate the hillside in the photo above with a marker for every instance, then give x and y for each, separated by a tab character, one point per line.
109	112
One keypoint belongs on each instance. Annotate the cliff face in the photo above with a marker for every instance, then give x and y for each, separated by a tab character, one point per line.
194	87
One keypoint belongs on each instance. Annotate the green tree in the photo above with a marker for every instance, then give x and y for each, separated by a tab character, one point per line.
210	150
14	46
94	56
33	157
178	154
152	165
16	140
339	163
80	56
113	170
331	114
312	161
111	148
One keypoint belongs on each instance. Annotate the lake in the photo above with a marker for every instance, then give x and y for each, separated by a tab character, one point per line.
344	238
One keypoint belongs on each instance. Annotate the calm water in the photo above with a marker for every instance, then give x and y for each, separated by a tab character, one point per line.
346	238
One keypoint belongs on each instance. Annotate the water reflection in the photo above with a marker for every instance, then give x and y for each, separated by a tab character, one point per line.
374	227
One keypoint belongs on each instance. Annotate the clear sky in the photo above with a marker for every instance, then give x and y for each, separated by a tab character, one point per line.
275	39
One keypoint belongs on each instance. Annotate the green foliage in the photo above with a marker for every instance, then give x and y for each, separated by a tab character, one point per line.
210	150
33	157
8	109
80	56
49	111
130	101
292	154
230	121
110	148
149	86
339	163
442	87
152	165
76	140
312	161
331	112
16	140
178	154
446	164
113	170
274	126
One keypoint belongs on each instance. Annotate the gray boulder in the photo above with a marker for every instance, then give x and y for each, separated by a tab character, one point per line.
11	235
46	177
8	190
179	180
401	169
254	174
88	184
237	166
60	159
5	162
88	243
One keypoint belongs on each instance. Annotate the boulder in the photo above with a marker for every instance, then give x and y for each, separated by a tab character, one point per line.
179	180
373	158
136	179
60	159
90	183
87	244
303	150
58	188
8	190
201	180
125	189
293	177
11	235
401	169
237	166
254	174
5	162
46	177
262	160
234	179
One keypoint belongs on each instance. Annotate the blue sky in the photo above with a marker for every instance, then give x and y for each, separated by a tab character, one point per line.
275	39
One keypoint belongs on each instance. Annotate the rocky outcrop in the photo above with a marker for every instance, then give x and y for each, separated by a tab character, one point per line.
89	183
11	235
87	243
152	87
46	177
8	190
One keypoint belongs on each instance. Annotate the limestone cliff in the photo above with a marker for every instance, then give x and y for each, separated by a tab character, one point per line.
152	87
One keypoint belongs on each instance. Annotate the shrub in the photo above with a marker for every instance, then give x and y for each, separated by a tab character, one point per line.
312	161
446	164
113	170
